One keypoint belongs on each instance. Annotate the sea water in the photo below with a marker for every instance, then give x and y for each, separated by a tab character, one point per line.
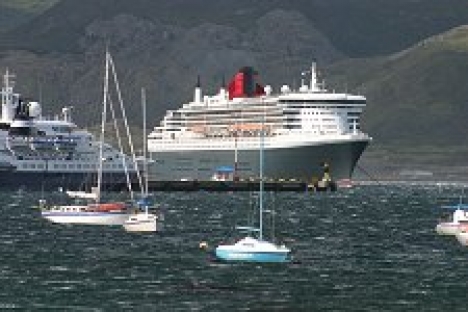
369	248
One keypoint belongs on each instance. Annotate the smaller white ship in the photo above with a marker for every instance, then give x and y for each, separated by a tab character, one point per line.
46	153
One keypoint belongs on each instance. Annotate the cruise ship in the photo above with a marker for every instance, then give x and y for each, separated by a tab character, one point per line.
38	153
300	131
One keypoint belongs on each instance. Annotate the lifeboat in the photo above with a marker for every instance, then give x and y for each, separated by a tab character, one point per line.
248	127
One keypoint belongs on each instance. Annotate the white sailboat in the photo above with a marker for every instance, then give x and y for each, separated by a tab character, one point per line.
94	212
143	221
457	221
254	249
462	236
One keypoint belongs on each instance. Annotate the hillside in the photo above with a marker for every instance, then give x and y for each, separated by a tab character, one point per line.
14	13
357	28
417	96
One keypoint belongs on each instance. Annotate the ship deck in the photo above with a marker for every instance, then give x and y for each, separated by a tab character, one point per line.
228	186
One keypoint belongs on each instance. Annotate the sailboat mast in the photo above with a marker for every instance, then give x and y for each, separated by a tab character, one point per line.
145	164
261	180
103	125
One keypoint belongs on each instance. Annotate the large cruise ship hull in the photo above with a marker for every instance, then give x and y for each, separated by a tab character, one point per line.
303	162
38	181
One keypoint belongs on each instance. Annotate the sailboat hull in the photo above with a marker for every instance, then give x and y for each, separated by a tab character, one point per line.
90	218
252	250
447	228
233	255
462	238
141	223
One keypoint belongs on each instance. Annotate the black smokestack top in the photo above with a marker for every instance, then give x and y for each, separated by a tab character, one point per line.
249	80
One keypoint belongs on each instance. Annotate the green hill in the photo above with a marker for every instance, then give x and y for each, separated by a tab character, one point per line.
13	13
417	96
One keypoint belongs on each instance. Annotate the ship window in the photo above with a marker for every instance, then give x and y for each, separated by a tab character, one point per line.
20	131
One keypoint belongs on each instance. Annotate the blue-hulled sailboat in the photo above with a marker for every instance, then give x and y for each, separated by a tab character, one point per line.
251	249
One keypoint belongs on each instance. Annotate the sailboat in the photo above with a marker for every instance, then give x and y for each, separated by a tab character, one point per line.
254	249
94	211
143	221
456	221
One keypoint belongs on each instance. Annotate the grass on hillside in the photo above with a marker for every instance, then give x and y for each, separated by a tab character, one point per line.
29	6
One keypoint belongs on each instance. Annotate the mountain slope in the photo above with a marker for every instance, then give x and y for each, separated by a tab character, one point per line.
356	27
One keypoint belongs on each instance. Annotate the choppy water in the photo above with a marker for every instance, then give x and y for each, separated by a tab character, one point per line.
372	248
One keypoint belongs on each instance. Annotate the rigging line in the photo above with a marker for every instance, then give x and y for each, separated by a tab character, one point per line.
368	175
119	142
119	95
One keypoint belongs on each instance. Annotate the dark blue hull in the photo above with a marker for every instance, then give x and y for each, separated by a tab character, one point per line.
38	181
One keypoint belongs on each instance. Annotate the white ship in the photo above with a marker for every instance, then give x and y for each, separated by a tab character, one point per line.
304	130
49	153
